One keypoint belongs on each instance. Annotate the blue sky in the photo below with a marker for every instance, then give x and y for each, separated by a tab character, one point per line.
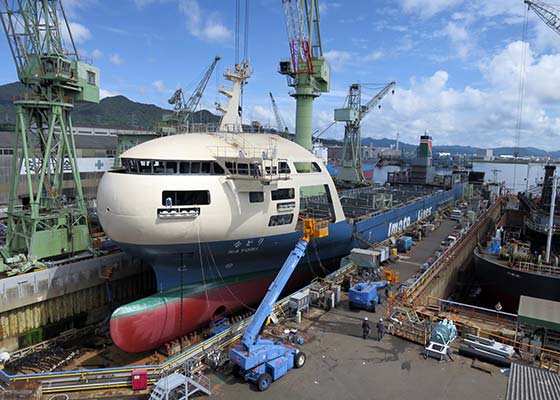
456	62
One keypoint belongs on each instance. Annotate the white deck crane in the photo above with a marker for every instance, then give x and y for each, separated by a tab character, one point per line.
281	126
353	113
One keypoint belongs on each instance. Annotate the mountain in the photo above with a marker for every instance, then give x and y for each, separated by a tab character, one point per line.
457	149
111	112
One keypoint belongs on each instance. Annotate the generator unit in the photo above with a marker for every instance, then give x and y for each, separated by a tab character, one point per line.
364	295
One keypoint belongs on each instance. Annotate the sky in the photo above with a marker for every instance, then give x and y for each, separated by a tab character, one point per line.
459	64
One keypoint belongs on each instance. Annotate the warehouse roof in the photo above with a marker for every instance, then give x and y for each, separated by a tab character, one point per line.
539	312
530	383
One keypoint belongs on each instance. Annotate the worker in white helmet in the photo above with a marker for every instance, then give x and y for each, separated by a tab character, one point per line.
366	328
380	329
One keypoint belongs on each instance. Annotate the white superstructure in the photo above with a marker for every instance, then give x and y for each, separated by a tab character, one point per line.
193	188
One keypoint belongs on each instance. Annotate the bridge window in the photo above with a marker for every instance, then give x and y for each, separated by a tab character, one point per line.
133	166
283	194
277	220
158	167
185	197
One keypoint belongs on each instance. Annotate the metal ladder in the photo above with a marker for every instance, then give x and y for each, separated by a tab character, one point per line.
177	386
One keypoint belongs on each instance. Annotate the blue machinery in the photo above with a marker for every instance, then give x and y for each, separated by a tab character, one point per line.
263	361
364	295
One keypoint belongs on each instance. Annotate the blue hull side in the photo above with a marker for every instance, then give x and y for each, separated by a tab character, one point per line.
239	260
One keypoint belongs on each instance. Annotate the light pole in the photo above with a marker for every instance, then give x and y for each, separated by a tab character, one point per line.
551	216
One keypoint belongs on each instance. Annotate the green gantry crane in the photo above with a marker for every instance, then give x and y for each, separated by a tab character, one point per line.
307	72
353	113
44	148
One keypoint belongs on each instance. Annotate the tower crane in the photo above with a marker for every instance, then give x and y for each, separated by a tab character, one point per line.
307	72
353	113
549	14
54	78
280	124
184	108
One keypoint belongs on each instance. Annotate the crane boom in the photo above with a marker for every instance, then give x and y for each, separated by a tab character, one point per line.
194	100
376	99
549	14
280	125
353	113
184	108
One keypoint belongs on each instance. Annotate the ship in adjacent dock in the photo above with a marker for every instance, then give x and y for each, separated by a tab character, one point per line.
507	272
523	259
216	211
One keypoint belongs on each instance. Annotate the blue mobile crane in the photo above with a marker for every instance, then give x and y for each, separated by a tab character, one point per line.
263	361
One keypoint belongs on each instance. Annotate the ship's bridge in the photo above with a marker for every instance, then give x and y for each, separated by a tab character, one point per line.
251	160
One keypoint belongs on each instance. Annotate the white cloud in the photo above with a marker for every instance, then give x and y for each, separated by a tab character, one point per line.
159	86
106	93
460	39
80	33
73	7
483	117
428	8
96	53
325	6
205	26
116	59
373	56
338	59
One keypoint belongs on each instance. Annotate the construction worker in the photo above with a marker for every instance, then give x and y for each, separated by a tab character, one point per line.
380	329
366	327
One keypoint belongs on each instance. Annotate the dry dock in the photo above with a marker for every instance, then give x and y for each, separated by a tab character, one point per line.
340	364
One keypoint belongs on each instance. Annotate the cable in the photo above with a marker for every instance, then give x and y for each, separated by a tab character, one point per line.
521	95
223	280
237	16
246	36
202	266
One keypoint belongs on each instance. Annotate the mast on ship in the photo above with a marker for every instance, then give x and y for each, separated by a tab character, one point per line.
231	119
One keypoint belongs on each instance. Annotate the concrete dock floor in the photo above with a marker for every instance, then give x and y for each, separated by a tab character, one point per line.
342	365
409	264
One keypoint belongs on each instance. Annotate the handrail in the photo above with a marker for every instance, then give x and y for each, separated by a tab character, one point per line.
542	228
411	289
525	266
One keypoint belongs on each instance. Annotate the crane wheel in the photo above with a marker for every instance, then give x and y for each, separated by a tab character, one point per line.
264	381
300	359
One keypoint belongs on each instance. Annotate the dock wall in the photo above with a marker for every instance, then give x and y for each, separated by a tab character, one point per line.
39	305
440	280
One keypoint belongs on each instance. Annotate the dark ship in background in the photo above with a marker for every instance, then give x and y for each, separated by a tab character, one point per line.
522	258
